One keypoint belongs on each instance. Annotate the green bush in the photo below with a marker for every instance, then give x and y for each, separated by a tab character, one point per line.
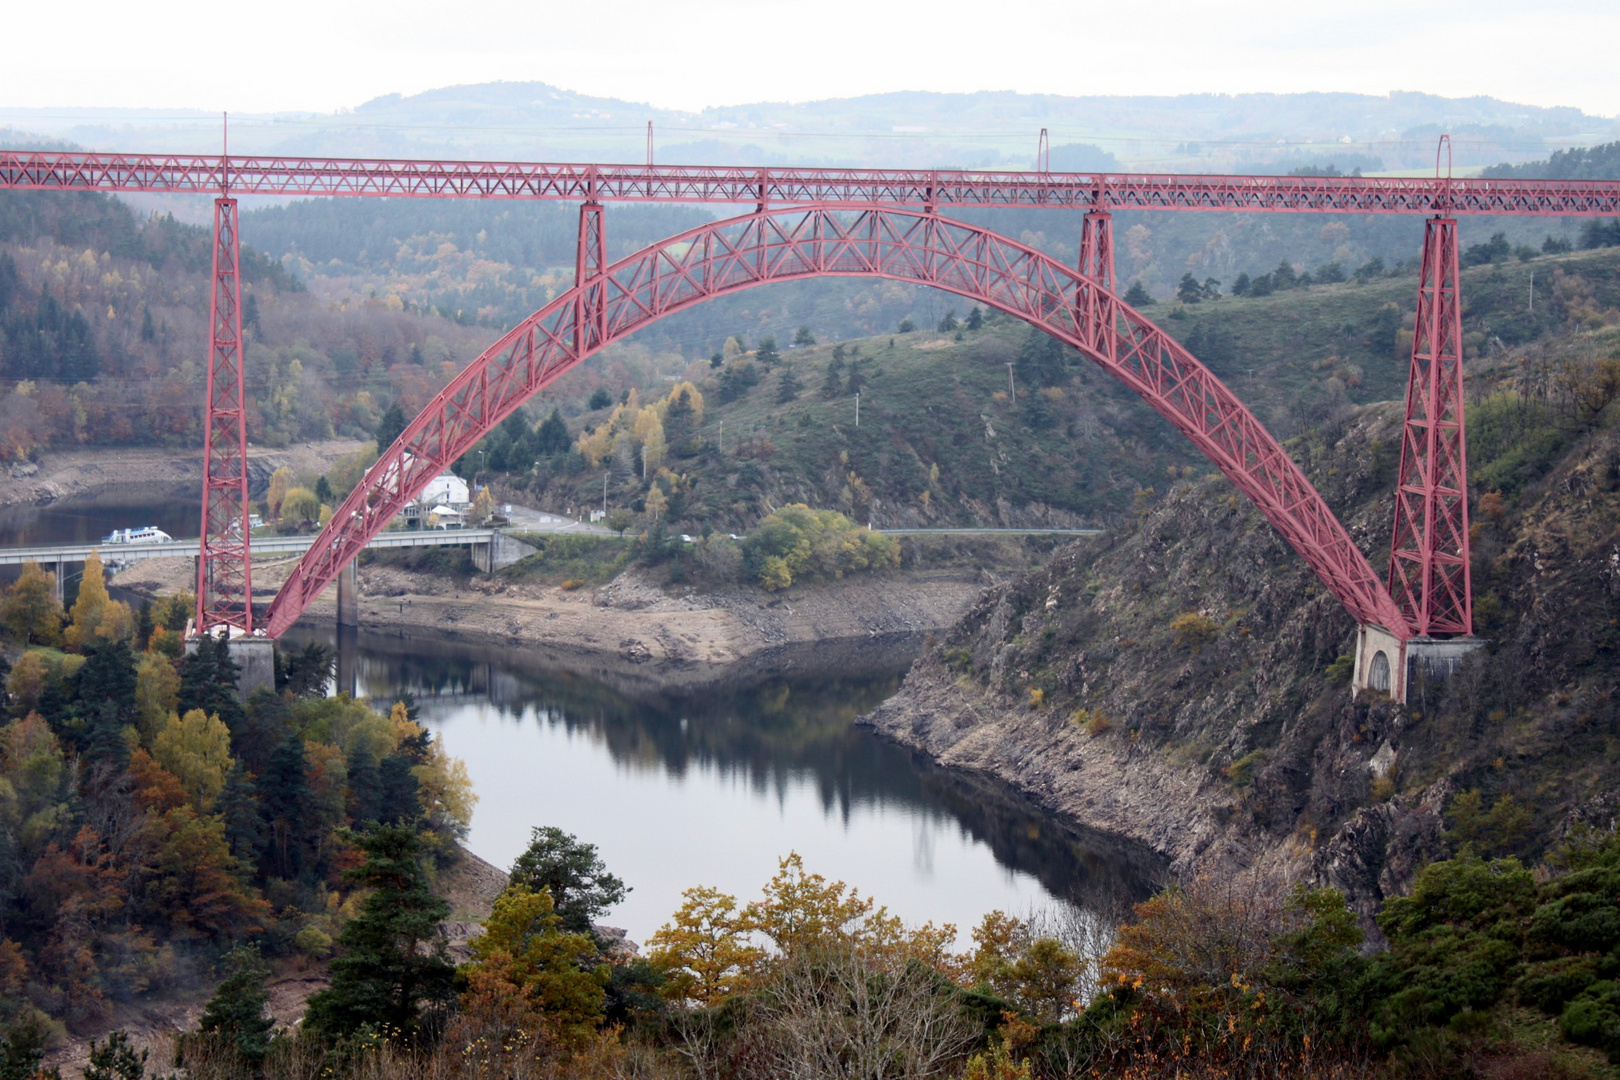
797	543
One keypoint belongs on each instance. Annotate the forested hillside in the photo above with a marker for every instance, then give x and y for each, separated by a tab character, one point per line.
949	435
149	820
103	323
1577	163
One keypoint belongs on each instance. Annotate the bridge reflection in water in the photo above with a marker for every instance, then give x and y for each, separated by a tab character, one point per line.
684	781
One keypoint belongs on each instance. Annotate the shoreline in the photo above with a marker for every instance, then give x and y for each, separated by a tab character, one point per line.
632	633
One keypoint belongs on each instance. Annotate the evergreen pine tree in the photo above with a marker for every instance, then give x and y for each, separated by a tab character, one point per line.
323	491
238	807
143	625
767	353
208	682
552	437
393	961
237	1009
104	703
304	672
581	888
365	789
116	1059
23	1048
833	386
284	798
787	389
397	801
974	318
389	426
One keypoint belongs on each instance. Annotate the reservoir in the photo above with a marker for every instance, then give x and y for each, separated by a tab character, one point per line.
712	785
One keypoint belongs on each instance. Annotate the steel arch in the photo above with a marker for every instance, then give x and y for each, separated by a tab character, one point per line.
834	239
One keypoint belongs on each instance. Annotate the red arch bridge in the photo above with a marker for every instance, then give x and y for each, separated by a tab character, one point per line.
866	223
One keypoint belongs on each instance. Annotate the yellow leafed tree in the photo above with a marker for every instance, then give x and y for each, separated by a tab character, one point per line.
704	951
657	503
97	618
29	611
442	783
196	748
157	693
527	970
281	482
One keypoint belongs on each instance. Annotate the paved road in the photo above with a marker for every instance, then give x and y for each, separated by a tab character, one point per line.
990	532
524	519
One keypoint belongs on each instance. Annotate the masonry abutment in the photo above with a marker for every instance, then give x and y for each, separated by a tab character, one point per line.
1389	666
254	657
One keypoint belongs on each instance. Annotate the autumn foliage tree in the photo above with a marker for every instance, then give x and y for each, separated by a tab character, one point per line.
29	611
528	973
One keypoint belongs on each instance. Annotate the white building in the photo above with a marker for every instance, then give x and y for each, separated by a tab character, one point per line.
446	488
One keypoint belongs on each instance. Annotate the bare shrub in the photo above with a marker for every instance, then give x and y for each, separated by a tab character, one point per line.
837	1012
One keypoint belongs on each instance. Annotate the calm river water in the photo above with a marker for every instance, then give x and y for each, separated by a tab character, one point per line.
681	787
712	786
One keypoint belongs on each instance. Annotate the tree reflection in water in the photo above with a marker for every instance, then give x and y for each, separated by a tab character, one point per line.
781	723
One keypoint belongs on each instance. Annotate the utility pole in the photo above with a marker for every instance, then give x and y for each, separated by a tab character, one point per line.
644	461
604	494
857	408
1011	389
1532	291
722	436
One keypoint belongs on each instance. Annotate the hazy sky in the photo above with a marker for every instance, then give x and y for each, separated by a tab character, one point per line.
327	54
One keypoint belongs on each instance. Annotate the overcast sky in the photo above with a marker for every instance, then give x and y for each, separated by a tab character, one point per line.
327	54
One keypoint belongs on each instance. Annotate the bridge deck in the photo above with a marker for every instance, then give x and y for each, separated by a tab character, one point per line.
269	545
291	175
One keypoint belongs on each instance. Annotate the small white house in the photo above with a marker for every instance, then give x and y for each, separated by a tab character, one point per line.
445	517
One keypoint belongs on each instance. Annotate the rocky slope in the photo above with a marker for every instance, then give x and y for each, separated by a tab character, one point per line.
1230	738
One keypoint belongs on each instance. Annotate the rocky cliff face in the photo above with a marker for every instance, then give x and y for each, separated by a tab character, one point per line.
1177	681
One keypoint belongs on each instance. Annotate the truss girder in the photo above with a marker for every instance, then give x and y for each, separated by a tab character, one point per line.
791	243
921	189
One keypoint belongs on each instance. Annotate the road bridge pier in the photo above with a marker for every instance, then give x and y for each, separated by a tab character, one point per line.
348	596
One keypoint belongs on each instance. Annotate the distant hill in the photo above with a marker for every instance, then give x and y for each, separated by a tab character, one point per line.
1576	163
1190	132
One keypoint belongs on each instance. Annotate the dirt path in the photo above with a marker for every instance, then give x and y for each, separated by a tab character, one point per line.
63	474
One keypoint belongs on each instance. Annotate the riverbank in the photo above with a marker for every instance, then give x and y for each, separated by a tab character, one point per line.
631	632
70	473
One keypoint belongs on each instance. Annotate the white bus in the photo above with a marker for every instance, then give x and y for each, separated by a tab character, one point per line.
149	534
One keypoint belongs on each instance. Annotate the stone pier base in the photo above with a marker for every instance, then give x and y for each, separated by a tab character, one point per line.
255	657
1386	665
